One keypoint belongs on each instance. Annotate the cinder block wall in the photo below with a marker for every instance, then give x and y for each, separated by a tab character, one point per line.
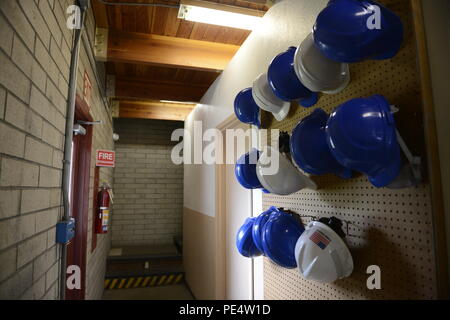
35	49
148	203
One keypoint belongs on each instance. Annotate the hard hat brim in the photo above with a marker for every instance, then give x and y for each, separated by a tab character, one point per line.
287	180
244	240
388	174
258	227
267	100
332	83
245	172
244	100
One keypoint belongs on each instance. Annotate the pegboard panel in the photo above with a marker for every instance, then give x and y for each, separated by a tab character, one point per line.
389	228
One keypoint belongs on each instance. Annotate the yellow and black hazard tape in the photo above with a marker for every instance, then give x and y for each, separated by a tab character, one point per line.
143	281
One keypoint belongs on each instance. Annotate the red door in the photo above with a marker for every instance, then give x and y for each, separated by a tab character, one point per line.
79	197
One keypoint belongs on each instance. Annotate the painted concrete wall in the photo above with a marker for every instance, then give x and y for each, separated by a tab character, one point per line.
275	35
34	58
286	24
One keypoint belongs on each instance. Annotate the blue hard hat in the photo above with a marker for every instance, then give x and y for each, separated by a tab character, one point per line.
309	148
245	170
362	136
258	227
244	240
285	83
246	109
279	237
347	31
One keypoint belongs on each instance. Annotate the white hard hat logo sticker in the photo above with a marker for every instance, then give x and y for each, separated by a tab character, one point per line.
320	239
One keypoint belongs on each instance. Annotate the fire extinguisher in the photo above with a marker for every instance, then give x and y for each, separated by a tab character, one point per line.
103	209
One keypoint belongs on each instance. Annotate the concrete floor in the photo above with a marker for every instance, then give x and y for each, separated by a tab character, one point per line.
175	292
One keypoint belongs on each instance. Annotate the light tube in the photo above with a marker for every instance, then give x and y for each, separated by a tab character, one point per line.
225	18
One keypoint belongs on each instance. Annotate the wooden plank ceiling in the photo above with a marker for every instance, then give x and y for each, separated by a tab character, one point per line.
151	76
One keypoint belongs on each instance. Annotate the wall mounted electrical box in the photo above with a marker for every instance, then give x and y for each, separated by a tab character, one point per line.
65	231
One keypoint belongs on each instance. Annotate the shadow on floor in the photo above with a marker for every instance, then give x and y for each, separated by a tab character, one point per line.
175	292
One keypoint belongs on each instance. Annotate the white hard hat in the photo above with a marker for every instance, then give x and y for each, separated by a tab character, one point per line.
267	100
322	255
317	72
286	180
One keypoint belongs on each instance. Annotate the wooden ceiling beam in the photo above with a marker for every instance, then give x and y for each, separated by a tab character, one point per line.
142	48
100	14
152	110
139	88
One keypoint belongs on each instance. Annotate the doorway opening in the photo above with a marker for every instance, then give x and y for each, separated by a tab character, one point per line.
79	198
236	277
146	257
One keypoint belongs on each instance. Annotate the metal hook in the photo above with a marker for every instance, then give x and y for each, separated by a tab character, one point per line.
411	174
348	228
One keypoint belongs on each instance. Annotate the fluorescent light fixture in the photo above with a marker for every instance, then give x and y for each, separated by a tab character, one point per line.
176	102
219	14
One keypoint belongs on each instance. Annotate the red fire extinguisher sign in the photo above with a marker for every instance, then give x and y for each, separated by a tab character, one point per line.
105	158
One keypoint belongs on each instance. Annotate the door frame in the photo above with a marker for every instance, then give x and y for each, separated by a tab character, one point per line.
81	174
221	222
